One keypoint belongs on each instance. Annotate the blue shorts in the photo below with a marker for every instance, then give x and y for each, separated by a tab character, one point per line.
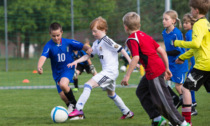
68	74
178	78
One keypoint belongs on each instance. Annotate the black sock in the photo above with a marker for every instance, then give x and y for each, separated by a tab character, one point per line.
71	97
76	83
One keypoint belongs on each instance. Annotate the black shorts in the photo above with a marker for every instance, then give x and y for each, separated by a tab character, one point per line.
196	79
81	68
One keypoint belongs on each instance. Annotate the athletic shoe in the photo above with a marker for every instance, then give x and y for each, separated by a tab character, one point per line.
128	115
75	90
71	107
77	118
193	111
179	103
187	124
162	122
194	104
76	113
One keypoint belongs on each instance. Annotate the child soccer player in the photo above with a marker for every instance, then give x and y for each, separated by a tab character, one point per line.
86	65
152	90
172	33
188	22
107	51
199	48
60	50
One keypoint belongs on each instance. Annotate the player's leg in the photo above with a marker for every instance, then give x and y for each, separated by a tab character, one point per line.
163	101
78	71
64	85
145	99
83	98
193	82
118	101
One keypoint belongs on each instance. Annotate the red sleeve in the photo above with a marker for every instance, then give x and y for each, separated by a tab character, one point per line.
133	47
155	44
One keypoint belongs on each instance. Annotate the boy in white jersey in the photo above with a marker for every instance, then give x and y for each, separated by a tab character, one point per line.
107	51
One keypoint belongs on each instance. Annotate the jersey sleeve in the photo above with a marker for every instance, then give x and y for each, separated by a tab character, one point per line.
186	55
133	46
197	36
113	45
75	45
46	51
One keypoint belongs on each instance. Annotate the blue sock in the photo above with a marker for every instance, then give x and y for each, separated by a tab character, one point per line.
193	96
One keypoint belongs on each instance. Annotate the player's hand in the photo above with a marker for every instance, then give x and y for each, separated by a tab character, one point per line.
179	61
124	82
168	74
72	64
40	70
89	51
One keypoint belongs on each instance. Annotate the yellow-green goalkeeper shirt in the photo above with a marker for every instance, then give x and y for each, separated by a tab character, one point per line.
199	46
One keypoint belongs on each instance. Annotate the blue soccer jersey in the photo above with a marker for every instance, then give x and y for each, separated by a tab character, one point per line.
175	34
61	55
79	54
188	37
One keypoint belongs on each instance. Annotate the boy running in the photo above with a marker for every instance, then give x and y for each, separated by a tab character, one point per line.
152	90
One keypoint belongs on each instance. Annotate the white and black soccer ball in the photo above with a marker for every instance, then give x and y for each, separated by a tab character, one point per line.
123	68
59	114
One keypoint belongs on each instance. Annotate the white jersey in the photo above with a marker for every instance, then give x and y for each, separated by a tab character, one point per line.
107	51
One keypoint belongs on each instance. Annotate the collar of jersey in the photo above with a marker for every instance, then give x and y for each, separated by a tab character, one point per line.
60	43
101	39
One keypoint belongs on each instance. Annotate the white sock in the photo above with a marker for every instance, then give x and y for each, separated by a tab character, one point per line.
156	119
120	104
184	123
83	97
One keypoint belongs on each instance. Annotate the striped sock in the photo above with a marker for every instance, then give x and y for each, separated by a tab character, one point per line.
186	113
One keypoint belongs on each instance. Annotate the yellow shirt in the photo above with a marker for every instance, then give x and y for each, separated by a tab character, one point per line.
200	45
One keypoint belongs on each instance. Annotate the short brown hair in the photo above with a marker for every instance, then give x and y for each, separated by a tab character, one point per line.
202	5
189	18
132	21
55	26
100	22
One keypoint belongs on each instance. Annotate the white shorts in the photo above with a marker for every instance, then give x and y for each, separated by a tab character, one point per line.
104	81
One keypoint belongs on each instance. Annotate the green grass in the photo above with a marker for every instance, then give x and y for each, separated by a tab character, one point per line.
24	107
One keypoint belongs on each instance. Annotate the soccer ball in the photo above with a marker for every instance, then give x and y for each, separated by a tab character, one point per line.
123	68
59	114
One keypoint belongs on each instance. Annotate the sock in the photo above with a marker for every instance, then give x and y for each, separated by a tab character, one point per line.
157	119
67	104
186	113
120	104
193	96
76	83
84	97
70	97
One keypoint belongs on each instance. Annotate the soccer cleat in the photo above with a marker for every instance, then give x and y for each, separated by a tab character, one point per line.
77	118
179	103
162	122
193	111
194	104
75	90
71	107
188	124
76	113
128	115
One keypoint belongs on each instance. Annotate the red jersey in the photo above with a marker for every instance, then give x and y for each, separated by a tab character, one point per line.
144	46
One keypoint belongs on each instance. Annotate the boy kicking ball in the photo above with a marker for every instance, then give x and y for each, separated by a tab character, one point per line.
107	51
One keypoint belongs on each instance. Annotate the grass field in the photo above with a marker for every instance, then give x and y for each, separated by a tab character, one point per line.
32	107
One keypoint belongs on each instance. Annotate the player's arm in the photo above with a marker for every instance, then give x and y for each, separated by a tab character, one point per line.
41	62
184	56
81	59
125	54
164	57
197	37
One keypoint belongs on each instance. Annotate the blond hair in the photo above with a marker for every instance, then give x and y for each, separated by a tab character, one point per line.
189	18
173	14
100	23
132	21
